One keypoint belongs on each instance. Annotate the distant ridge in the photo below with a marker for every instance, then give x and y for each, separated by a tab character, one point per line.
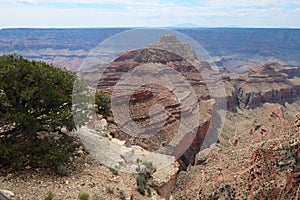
185	25
232	48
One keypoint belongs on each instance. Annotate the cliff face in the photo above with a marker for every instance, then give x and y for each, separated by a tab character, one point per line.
157	61
144	97
178	104
292	72
267	83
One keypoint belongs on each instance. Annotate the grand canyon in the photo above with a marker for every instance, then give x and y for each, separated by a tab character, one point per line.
248	148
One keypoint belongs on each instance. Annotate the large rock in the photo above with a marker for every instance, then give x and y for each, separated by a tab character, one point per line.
6	195
164	180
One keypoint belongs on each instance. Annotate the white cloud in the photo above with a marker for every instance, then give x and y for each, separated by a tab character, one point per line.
252	3
27	1
268	13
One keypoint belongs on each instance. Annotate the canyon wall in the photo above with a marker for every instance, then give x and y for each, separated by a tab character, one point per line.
263	84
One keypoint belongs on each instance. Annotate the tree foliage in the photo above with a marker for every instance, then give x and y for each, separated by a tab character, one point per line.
35	97
102	101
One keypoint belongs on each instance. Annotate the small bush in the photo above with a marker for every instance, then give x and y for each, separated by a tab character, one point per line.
110	190
122	195
49	196
141	183
102	100
96	197
149	192
84	196
145	170
62	170
114	171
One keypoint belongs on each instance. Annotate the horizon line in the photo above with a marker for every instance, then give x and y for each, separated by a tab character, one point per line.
146	27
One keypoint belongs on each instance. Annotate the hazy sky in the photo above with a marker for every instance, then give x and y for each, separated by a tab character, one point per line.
142	13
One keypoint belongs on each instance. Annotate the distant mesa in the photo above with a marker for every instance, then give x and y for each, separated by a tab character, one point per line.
271	82
265	73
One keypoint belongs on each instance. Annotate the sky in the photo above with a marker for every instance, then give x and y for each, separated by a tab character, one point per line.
150	13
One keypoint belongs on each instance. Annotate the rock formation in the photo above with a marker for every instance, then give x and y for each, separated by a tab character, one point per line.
258	167
165	179
144	97
267	83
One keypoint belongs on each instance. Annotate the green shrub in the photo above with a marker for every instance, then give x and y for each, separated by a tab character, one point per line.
54	152
96	197
49	196
145	170
102	100
62	170
11	155
84	196
114	171
149	192
16	154
141	183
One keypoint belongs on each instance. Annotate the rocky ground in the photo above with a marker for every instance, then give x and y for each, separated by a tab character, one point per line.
86	176
246	164
257	158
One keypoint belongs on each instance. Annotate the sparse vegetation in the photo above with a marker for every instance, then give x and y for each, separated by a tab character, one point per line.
96	197
49	196
110	190
84	196
149	192
62	170
114	171
145	170
122	194
141	183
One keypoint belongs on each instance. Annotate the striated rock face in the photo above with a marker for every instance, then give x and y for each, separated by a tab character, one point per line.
267	83
292	72
157	61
